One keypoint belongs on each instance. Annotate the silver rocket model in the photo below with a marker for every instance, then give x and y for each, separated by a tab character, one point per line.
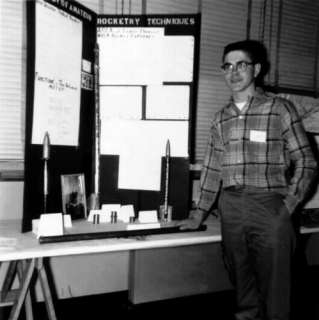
94	201
45	158
168	154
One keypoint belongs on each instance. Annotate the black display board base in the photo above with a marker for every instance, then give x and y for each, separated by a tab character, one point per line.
116	234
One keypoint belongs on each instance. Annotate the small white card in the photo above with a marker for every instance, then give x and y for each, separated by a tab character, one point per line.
111	207
126	212
106	212
123	213
50	224
105	216
67	221
149	216
142	226
92	213
258	136
86	66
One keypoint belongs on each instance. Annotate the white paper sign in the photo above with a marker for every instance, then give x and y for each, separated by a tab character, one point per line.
257	136
130	55
140	145
167	102
57	83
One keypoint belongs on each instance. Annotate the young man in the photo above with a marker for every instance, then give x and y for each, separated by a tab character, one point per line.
259	162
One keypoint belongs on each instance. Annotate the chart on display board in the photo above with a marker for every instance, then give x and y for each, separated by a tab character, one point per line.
153	57
147	83
57	85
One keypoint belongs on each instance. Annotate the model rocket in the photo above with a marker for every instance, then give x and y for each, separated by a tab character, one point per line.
45	158
167	157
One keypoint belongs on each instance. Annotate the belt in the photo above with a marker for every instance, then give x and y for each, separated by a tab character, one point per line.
241	188
235	188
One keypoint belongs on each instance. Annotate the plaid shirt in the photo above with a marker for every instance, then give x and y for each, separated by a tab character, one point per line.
256	147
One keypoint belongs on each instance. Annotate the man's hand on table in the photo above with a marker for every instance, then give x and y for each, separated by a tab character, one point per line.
195	219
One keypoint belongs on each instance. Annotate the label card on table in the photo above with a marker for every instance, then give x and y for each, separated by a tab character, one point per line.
50	224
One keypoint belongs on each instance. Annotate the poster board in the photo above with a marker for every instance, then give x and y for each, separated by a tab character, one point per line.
60	99
161	92
148	82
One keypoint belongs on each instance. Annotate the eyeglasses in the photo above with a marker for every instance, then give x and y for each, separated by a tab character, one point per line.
240	66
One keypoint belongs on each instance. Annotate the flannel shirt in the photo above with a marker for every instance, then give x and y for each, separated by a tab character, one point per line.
256	147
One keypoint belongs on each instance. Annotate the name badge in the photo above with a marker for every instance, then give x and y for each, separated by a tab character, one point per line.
258	136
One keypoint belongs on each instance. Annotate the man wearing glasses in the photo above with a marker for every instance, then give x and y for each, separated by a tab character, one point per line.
259	162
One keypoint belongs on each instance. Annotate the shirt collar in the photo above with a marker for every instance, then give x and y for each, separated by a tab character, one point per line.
259	97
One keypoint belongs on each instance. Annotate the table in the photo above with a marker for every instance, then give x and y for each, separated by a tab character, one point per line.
26	255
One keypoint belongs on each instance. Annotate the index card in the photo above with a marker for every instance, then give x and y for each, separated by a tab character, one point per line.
142	226
147	216
111	207
126	212
86	66
50	224
8	243
92	213
67	221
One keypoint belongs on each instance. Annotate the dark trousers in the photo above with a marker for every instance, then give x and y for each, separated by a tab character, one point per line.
258	243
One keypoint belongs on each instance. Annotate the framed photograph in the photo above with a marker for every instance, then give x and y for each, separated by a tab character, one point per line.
73	195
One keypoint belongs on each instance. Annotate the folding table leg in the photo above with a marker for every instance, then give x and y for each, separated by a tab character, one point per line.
24	286
8	279
46	289
28	301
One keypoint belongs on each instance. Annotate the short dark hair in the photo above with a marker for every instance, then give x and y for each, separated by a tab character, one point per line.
255	50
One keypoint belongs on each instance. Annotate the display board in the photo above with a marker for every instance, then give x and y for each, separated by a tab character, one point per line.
60	101
108	119
148	79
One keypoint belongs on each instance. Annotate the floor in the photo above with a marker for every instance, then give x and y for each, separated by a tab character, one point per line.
215	306
115	305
